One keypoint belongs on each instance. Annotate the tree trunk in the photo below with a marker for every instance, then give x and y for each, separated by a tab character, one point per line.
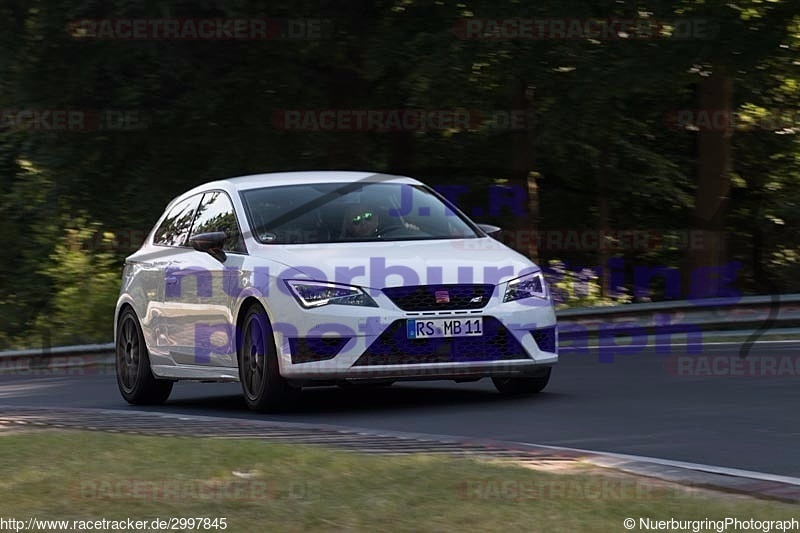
401	153
713	187
347	86
401	143
345	89
602	224
521	177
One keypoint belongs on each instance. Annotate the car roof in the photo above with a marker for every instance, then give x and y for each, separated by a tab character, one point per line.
272	179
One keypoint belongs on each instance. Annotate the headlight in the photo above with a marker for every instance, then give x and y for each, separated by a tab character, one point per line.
319	293
526	287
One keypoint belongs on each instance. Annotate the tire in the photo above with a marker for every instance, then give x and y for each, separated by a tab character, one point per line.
526	385
263	386
135	379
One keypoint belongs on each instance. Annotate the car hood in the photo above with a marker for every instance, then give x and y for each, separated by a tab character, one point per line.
391	264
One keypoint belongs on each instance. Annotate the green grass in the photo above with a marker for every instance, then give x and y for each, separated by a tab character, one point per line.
260	486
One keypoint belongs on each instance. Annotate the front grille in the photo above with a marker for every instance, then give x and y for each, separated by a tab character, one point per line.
393	348
307	350
545	338
440	297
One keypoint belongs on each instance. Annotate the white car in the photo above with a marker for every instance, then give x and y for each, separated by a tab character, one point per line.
287	280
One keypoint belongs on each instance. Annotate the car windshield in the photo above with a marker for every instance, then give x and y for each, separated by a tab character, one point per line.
340	212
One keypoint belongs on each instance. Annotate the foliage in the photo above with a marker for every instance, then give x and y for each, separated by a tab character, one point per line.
599	140
86	277
580	288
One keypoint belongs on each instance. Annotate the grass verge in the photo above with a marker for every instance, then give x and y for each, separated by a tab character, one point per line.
258	486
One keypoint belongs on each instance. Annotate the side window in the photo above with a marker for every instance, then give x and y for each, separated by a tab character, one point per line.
174	231
216	214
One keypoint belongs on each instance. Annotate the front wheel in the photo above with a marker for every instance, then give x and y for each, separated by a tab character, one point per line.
263	387
135	379
526	385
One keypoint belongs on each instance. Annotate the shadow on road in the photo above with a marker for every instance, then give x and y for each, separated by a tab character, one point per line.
334	400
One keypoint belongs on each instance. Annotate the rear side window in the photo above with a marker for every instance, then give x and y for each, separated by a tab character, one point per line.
216	214
174	231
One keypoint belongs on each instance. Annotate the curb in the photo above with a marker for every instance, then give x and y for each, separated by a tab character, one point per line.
756	484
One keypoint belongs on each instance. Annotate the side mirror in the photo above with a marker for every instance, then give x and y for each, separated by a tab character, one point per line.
491	231
210	243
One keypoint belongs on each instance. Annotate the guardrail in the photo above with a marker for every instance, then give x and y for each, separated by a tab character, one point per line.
59	360
743	315
713	314
61	350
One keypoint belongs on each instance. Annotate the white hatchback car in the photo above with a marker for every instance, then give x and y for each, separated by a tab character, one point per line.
295	279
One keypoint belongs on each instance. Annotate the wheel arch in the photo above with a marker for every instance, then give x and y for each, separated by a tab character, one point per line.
121	306
244	305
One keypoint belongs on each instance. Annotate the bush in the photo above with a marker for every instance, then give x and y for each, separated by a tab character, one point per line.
580	288
87	280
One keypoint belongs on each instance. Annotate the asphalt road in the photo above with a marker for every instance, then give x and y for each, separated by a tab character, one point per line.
643	404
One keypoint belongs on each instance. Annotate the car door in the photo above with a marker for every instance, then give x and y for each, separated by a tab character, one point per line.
199	287
170	239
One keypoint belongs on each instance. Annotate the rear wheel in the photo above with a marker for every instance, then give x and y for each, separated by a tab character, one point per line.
263	387
526	385
135	379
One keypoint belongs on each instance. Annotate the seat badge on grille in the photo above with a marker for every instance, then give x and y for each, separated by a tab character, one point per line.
476	300
442	297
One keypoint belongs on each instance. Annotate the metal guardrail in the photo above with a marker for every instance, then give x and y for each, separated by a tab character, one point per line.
713	314
716	314
61	350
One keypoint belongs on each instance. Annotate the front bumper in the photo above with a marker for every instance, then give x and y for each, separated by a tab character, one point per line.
521	339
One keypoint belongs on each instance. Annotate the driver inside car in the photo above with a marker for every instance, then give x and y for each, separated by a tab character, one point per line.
360	222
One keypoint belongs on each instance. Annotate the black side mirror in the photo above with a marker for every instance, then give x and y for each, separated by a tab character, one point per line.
491	231
210	243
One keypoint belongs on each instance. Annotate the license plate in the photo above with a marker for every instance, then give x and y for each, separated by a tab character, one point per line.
444	327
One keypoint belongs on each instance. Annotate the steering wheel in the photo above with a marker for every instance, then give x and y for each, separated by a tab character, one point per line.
396	229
